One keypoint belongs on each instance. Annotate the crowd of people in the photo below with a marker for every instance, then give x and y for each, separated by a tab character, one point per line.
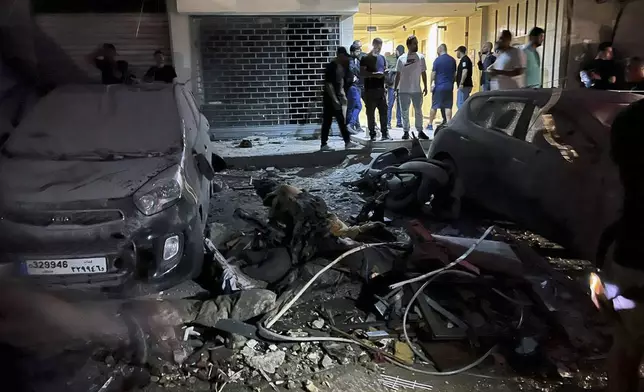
604	72
115	71
355	77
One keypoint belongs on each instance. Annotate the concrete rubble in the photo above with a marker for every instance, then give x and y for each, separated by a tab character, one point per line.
489	307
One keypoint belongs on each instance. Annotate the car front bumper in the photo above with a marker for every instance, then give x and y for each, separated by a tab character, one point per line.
131	243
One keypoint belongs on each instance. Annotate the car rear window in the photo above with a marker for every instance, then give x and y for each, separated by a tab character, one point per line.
114	119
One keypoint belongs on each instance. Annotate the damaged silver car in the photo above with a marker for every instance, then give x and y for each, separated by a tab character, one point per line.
107	187
540	158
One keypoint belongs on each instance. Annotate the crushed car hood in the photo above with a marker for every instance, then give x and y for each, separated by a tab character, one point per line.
38	181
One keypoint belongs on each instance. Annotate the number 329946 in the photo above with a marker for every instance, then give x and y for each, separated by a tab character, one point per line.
48	264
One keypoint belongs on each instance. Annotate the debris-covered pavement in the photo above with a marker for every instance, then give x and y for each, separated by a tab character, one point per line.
309	290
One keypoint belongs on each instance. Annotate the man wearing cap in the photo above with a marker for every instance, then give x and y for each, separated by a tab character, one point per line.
463	76
334	99
104	58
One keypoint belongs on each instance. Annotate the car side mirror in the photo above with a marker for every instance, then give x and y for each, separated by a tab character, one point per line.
204	167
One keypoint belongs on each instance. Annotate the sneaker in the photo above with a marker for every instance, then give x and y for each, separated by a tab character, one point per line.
325	147
405	136
372	138
385	138
399	126
350	145
429	127
422	135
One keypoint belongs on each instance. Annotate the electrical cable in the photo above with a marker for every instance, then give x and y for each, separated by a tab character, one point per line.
308	284
450	265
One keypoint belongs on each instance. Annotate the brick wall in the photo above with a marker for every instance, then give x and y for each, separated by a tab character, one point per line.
264	71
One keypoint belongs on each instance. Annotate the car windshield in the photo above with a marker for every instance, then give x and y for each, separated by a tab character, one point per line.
99	122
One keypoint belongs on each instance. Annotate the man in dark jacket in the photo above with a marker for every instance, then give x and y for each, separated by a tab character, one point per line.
373	68
486	58
354	90
602	73
334	99
627	270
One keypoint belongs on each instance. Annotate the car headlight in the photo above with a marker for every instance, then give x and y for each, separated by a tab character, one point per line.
160	192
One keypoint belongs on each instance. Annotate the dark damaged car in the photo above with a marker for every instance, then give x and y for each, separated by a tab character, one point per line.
541	158
107	187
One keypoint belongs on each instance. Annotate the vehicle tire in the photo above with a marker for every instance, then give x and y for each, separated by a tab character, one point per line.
451	207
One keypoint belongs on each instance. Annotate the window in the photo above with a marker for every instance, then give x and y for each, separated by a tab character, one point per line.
500	115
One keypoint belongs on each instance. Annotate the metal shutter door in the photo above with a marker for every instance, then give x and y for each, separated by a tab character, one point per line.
135	36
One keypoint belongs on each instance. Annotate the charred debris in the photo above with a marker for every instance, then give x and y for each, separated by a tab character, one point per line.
302	291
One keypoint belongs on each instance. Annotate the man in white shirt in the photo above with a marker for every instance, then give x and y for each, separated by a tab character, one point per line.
410	68
508	70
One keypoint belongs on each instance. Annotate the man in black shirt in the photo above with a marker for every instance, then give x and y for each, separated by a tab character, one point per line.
634	75
463	76
627	270
161	72
486	58
335	98
603	70
112	71
373	68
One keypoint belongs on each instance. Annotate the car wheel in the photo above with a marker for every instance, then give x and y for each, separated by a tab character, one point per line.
451	208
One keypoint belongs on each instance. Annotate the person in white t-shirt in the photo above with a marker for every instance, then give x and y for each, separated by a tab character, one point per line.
411	68
508	70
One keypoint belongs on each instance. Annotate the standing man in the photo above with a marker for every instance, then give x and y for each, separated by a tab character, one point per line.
354	95
508	70
104	58
392	98
442	82
161	72
486	58
533	59
334	98
373	68
627	269
411	69
463	76
602	72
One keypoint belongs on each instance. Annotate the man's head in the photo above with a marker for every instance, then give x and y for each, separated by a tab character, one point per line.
376	46
635	70
461	51
605	51
342	56
505	40
487	47
412	44
536	36
356	49
442	49
109	51
159	58
400	50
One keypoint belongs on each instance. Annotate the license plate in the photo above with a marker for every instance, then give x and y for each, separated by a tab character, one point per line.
96	265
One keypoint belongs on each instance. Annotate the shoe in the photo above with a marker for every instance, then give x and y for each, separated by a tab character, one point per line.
385	138
388	126
398	125
325	147
405	136
429	127
350	145
372	138
422	135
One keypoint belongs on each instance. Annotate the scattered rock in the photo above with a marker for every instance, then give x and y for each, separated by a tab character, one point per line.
154	379
327	362
290	384
268	362
403	352
240	306
310	387
246	144
314	357
180	355
220	353
163	380
272	347
318	324
195	343
252	343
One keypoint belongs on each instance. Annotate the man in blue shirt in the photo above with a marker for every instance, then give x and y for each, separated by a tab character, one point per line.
442	82
486	58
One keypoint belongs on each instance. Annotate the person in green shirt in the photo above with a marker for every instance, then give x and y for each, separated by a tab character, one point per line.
533	59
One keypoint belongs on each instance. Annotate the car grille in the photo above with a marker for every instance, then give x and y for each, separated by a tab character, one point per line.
63	218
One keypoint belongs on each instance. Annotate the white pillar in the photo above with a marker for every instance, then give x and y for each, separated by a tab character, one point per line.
180	42
346	31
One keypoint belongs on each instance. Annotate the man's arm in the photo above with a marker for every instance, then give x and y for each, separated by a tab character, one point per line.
461	82
399	68
432	77
423	73
92	57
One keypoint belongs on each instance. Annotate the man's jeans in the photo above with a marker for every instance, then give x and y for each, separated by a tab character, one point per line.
462	94
391	97
405	100
354	106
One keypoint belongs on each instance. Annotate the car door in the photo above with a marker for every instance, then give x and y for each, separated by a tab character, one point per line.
495	125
